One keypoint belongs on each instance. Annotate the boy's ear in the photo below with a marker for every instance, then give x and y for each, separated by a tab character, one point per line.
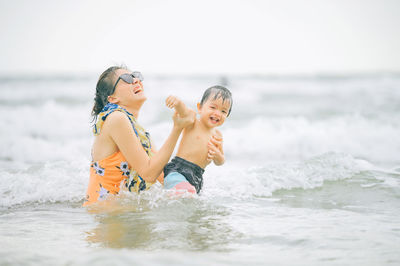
198	107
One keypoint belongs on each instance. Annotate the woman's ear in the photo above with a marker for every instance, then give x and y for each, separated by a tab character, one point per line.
112	99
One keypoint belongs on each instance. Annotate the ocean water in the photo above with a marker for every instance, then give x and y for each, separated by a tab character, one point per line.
312	176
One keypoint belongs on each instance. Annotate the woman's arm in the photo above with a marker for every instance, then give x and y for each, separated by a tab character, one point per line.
160	178
121	132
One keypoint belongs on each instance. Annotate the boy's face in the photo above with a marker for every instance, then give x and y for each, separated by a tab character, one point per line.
214	112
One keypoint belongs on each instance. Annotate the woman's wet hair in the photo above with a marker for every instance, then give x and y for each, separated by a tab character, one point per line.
218	92
104	88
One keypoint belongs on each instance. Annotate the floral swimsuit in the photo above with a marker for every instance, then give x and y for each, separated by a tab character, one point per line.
108	175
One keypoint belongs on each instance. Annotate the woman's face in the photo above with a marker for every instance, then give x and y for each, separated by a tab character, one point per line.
127	94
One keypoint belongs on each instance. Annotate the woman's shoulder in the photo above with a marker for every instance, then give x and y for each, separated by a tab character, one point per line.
116	118
117	114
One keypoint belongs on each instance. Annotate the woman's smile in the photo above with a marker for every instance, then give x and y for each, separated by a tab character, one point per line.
137	90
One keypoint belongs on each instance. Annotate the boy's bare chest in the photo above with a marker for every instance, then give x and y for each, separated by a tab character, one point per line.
194	146
198	141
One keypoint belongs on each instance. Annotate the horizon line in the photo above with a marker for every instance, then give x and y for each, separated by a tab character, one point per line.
298	74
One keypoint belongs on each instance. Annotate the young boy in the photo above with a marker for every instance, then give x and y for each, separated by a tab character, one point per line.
201	142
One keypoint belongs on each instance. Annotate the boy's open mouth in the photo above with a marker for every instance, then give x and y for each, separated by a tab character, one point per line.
214	119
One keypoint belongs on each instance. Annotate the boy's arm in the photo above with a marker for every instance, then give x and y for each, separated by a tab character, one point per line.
175	102
180	107
215	149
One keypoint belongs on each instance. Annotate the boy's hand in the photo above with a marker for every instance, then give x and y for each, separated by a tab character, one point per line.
217	141
215	151
172	101
181	110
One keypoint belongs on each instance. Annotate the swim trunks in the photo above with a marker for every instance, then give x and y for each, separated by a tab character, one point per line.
180	170
108	175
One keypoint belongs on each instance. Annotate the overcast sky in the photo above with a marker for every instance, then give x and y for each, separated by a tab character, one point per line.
207	36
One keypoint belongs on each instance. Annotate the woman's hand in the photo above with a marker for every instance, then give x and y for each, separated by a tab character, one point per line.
182	122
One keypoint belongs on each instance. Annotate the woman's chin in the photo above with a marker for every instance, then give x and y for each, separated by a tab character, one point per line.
140	97
141	100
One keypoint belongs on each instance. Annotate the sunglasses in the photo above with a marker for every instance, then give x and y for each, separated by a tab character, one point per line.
129	78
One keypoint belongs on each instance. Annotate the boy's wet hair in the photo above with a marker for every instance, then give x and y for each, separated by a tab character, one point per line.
218	92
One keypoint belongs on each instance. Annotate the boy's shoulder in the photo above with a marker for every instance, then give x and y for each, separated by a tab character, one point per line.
218	133
198	128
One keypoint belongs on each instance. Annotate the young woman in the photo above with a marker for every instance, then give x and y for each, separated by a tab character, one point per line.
122	153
